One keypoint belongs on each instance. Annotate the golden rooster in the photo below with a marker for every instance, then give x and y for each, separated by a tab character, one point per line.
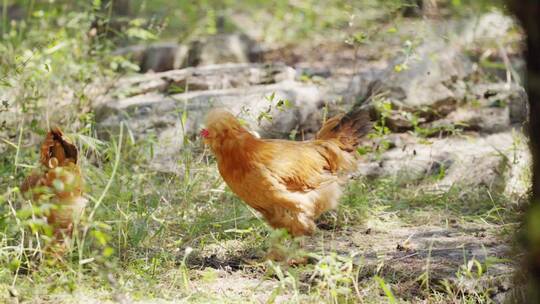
58	182
290	183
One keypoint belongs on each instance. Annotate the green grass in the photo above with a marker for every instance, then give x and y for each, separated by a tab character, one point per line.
146	220
139	224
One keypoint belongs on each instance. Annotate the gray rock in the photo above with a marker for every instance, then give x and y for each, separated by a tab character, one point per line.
426	84
512	96
215	77
220	48
209	50
444	162
482	119
489	27
490	108
133	52
157	57
154	113
518	175
399	121
163	57
156	110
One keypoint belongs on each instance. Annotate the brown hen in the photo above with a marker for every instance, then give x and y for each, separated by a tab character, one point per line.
58	182
290	183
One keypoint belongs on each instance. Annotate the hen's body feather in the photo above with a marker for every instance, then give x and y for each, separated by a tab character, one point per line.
59	182
290	183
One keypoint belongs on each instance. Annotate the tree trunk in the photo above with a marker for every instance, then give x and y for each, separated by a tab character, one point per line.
412	8
528	12
418	8
121	7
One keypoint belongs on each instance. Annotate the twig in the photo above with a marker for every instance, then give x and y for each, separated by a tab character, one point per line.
18	146
509	69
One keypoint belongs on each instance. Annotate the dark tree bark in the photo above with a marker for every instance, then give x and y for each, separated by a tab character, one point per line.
417	8
113	18
121	7
528	12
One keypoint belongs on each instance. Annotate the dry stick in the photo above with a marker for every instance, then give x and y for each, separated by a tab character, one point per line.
21	247
47	121
510	72
4	17
18	146
38	247
109	16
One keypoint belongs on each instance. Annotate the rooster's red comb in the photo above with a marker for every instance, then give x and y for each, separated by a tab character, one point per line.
204	133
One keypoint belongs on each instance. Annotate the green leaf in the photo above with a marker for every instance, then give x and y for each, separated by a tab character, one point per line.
363	150
243	122
264	116
5	83
175	89
38	14
108	251
14	264
288	104
386	289
209	275
101	237
184	118
271	97
239	231
140	33
400	67
359	38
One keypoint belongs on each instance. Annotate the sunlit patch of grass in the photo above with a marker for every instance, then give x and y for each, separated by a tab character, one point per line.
149	219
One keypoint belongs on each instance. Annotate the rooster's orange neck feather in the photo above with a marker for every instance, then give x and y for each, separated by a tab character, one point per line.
235	152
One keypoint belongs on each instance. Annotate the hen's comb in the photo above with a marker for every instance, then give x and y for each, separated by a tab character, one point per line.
205	133
59	147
